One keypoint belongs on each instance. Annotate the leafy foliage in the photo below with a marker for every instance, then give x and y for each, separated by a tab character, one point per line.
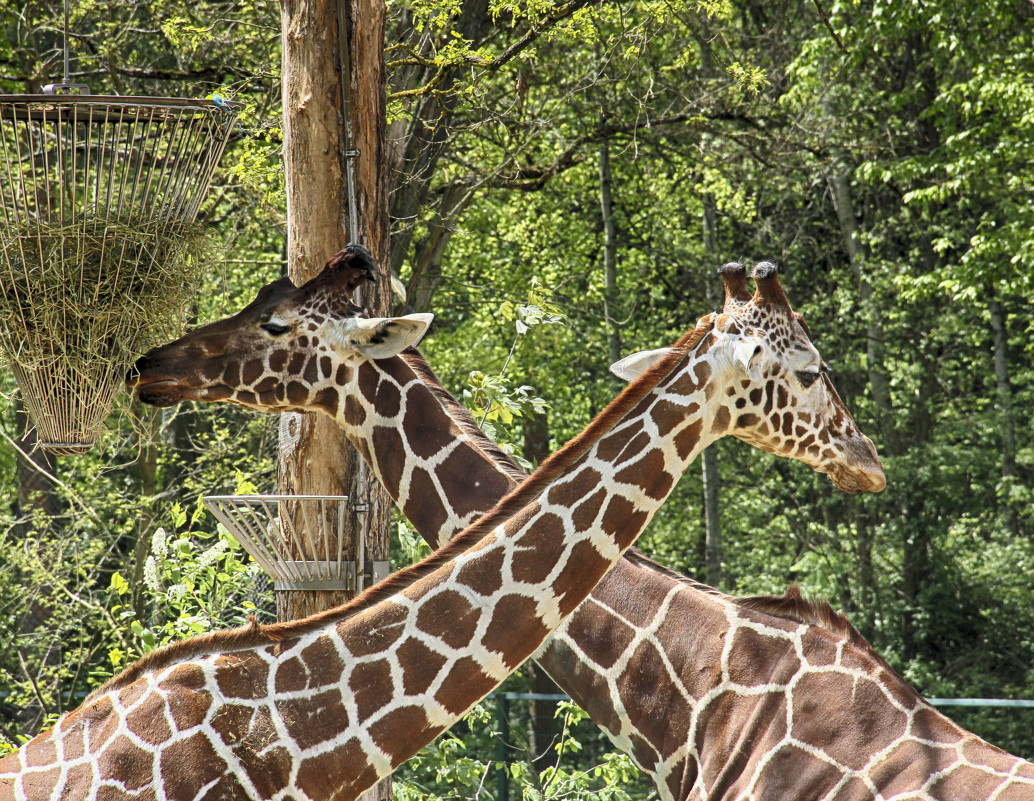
878	151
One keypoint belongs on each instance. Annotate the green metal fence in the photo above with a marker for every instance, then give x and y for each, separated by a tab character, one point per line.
1005	722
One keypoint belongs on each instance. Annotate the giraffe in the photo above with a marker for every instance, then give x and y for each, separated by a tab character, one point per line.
653	657
324	707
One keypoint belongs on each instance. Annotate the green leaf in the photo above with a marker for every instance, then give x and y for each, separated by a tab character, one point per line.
119	584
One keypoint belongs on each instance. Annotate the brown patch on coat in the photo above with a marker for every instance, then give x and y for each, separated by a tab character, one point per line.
514	628
372	686
539	549
313	719
465	680
449	617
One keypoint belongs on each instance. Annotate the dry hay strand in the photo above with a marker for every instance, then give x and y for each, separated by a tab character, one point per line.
80	302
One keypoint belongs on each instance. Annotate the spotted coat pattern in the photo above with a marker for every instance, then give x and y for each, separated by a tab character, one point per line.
677	675
634	654
337	701
321	713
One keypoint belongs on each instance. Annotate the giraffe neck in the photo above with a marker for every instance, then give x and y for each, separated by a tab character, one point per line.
423	446
651	657
442	471
435	462
353	693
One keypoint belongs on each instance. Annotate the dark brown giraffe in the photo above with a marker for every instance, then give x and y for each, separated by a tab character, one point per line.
324	707
664	665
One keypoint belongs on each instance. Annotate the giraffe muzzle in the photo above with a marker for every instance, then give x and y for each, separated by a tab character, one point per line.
866	472
158	393
151	389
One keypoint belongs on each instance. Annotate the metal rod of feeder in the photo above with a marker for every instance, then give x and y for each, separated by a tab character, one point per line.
267	526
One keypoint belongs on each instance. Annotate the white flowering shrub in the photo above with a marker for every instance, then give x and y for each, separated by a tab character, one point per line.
193	581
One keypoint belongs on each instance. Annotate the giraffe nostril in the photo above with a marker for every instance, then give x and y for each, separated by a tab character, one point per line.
135	371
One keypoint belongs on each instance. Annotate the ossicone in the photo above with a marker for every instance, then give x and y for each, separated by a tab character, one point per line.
734	276
351	267
769	291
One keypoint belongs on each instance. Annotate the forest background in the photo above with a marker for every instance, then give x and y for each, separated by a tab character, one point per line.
566	179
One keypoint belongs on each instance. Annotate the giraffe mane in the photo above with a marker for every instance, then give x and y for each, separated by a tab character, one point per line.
792	605
637	557
256	635
462	416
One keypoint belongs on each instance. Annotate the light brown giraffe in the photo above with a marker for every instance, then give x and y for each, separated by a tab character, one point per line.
666	666
325	707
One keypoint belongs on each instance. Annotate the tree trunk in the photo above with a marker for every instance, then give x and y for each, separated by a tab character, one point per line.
917	536
33	468
709	458
879	383
867	596
427	268
1005	403
37	502
545	729
333	85
420	146
610	257
147	466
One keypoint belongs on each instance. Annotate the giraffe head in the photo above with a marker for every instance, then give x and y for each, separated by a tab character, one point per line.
771	388
287	350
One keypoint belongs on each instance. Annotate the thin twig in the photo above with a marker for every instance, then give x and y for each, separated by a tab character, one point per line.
36	466
513	349
829	26
35	687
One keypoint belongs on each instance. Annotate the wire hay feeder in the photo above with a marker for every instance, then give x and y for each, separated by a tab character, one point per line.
100	253
298	540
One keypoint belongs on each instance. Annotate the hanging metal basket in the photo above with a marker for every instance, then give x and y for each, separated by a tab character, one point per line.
299	540
99	251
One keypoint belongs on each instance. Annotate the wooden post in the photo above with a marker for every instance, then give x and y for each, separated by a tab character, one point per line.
333	84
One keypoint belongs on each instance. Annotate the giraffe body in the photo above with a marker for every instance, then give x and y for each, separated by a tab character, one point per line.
671	670
644	654
324	707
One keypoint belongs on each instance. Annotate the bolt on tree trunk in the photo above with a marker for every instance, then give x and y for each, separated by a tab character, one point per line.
333	77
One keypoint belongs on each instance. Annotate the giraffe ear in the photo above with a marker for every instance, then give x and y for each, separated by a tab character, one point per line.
633	366
746	355
384	337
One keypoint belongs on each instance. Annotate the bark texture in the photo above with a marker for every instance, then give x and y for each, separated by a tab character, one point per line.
334	90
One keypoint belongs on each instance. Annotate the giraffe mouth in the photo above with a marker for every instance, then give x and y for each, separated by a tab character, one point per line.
856	481
162	392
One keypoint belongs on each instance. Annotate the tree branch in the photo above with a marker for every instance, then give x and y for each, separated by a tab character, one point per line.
829	26
532	178
562	12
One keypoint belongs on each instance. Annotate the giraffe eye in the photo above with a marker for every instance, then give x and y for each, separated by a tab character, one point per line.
807	378
275	329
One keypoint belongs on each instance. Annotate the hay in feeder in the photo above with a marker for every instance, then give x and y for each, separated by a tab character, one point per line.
79	302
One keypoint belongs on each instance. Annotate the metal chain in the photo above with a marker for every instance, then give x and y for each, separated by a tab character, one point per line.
350	152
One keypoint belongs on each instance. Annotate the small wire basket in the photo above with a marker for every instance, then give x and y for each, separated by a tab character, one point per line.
299	540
